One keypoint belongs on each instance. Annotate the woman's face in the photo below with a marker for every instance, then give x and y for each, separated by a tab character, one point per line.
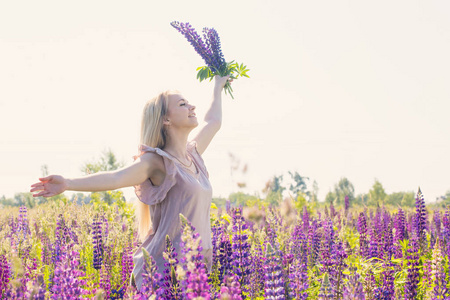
180	113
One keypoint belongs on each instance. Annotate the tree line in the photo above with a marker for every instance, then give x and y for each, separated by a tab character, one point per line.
301	189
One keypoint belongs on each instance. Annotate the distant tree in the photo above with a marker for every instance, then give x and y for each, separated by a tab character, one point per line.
330	198
6	201
361	199
299	187
314	192
107	162
401	198
377	195
274	190
342	189
447	196
409	199
219	201
80	198
277	184
241	198
274	198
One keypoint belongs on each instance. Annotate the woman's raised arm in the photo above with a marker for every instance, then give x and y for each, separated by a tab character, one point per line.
145	167
213	117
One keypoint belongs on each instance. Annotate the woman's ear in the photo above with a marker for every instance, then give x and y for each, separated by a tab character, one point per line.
166	121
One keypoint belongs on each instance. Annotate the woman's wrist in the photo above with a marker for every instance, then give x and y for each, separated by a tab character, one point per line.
67	183
218	91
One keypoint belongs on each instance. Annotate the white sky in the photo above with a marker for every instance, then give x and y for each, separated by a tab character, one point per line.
337	88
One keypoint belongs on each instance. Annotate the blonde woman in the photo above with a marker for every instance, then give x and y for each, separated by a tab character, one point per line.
169	175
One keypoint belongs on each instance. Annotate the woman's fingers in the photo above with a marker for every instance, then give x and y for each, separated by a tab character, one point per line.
45	179
37	184
44	194
41	188
41	194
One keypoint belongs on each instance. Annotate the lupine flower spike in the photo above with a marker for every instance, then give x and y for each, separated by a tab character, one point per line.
210	50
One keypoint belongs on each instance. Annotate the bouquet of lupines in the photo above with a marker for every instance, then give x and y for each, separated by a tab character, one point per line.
210	50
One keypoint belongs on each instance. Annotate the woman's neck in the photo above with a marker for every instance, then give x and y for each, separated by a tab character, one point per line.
176	145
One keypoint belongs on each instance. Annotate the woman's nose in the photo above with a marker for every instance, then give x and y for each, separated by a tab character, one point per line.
192	107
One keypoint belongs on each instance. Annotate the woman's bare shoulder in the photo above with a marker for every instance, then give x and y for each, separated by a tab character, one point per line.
154	162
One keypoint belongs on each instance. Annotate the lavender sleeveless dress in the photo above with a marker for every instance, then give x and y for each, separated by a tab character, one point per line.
183	192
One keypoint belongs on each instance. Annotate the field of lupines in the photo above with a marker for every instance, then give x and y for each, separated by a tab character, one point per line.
61	250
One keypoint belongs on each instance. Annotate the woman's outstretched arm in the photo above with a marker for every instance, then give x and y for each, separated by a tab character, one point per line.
213	117
148	165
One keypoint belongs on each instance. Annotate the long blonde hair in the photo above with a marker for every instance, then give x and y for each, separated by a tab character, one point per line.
154	135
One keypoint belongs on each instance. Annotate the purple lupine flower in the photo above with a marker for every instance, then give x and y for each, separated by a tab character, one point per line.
228	206
332	211
127	264
105	227
326	291
338	255
5	273
373	245
362	228
388	242
38	291
305	219
271	222
67	282
217	230
224	255
421	219
60	239
313	243
46	256
97	240
211	52
300	245
105	283
386	290
298	281
230	289
213	44
256	284
435	227
22	224
117	294
152	284
273	279
347	202
198	287
333	256
399	225
192	270
12	235
446	232
400	233
241	256
354	290
195	40
172	287
413	271
440	289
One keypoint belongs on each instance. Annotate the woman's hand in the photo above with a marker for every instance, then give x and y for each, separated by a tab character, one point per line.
49	186
221	81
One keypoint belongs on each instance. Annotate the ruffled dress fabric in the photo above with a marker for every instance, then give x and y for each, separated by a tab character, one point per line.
183	192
